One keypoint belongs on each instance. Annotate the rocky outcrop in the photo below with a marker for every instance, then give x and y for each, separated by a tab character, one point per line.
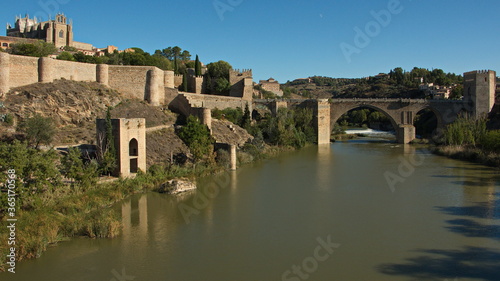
226	132
177	186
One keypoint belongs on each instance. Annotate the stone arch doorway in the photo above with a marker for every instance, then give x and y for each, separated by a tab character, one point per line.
133	149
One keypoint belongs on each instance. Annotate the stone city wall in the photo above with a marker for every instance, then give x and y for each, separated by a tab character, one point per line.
23	70
139	82
219	102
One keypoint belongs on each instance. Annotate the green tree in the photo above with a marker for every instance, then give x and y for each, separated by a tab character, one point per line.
36	171
197	66
66	56
457	92
107	151
74	167
219	69
184	83
246	119
38	130
398	75
222	85
177	56
70	49
197	137
37	49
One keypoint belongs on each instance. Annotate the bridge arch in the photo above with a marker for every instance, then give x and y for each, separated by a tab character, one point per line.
336	114
427	122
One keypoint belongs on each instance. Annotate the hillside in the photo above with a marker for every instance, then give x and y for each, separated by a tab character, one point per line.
397	84
352	88
74	107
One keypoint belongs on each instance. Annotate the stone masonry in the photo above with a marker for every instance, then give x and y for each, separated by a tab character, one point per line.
130	144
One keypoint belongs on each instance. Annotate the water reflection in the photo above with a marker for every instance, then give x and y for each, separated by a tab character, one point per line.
443	224
325	159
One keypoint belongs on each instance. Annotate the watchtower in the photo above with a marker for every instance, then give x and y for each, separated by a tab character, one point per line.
241	83
130	144
479	91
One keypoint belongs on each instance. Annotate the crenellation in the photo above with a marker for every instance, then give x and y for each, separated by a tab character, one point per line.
479	89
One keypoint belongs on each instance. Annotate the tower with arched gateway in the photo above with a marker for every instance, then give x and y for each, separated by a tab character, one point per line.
130	144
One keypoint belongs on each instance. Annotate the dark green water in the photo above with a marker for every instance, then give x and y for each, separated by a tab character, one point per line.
322	213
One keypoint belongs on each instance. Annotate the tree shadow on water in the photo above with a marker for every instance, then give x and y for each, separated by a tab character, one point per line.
472	262
477	263
472	228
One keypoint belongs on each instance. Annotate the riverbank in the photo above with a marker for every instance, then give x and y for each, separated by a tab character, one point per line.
89	214
468	153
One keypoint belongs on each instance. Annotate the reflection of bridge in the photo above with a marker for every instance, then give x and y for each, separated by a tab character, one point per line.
401	112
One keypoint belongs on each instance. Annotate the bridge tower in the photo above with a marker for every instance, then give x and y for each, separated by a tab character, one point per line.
479	91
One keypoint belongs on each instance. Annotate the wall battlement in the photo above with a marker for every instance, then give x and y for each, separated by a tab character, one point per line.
486	71
241	72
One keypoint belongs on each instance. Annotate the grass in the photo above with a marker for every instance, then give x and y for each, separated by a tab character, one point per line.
342	137
469	153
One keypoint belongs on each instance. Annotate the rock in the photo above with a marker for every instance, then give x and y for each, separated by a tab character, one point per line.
177	186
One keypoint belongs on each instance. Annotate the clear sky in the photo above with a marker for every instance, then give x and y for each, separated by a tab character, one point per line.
289	39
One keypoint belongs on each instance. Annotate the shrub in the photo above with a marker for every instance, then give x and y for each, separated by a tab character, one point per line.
197	137
491	141
38	130
38	49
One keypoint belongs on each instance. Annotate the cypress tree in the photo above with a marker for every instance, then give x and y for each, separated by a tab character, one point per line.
246	119
197	66
108	162
184	82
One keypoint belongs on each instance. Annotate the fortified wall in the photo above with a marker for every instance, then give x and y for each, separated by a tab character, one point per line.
148	83
139	82
241	83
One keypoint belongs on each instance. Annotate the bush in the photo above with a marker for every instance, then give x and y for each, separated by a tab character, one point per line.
38	49
230	114
491	141
465	131
289	128
197	137
223	158
36	171
74	167
38	130
66	56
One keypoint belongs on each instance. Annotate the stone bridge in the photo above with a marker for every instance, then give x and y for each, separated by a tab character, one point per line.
401	112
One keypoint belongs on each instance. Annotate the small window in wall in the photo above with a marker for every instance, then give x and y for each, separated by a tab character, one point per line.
61	34
5	45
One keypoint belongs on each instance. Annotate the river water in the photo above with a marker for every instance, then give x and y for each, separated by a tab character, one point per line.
356	210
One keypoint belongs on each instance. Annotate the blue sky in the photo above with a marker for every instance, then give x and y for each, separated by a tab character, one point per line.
289	39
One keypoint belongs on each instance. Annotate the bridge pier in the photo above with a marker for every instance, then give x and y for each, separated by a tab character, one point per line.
405	134
322	121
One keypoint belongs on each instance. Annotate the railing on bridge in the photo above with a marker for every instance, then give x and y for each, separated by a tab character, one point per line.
401	100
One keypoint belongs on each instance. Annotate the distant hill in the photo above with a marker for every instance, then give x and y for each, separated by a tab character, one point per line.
397	84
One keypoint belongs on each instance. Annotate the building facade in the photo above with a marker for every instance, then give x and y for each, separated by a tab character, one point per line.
271	85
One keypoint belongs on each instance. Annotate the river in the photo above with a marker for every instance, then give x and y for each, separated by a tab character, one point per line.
356	210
